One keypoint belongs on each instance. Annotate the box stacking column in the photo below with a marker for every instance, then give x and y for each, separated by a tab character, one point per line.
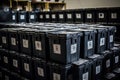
64	46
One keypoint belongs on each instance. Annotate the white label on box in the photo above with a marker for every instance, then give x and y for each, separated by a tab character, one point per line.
38	45
25	43
15	63
113	15
26	67
32	17
102	41
107	63
69	16
57	48
90	44
13	41
61	16
89	16
5	59
40	72
47	16
6	77
53	16
98	69
78	16
22	17
101	15
56	76
73	48
111	38
13	17
4	40
116	59
41	16
85	76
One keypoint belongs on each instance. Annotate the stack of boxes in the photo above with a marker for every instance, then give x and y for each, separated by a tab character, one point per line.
54	51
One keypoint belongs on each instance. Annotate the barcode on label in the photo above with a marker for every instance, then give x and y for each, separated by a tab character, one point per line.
89	16
111	38
101	15
73	48
32	17
38	45
4	40
98	69
53	16
5	59
13	41
25	43
57	48
69	16
56	76
13	17
116	59
61	16
40	72
113	15
26	67
47	16
90	44
102	41
85	76
78	16
107	63
15	63
22	17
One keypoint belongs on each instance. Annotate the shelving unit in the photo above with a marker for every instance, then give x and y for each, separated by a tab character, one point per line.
45	6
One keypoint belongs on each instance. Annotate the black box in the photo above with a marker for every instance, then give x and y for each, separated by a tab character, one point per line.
14	17
14	39
26	67
15	61
61	16
87	42
4	38
5	58
113	15
89	15
15	76
32	17
110	36
115	57
107	61
22	16
81	70
0	56
79	16
96	69
69	16
60	72
41	69
41	17
6	75
54	16
64	46
0	73
47	16
101	15
26	42
110	76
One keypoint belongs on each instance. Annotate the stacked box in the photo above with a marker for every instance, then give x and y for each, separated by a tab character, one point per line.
15	61
54	16
47	16
87	42
41	69
14	17
79	16
102	15
61	16
27	67
64	46
82	70
32	17
22	16
69	16
96	69
60	72
41	17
